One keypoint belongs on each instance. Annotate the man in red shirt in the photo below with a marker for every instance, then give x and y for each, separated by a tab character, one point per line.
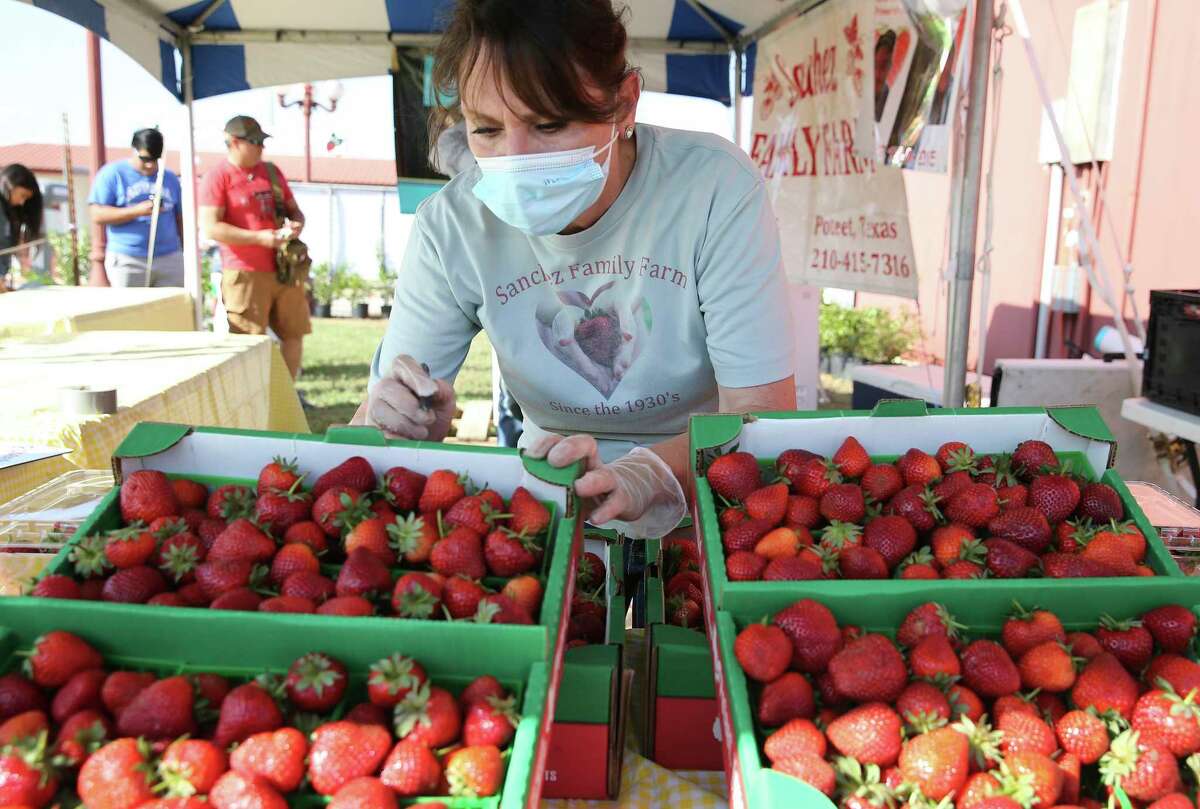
237	210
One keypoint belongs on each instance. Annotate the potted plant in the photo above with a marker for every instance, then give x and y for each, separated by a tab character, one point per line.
356	290
324	285
387	281
850	337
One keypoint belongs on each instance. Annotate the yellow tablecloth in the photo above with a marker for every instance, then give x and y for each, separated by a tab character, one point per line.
198	378
42	311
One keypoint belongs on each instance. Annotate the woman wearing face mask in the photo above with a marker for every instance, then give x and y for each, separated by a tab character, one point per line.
20	214
626	275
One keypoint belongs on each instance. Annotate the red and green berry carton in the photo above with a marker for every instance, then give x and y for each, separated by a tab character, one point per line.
915	500
843	700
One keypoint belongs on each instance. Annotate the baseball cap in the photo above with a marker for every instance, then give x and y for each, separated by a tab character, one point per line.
246	128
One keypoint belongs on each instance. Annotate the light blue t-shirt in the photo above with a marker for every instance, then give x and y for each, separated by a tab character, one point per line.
121	185
623	330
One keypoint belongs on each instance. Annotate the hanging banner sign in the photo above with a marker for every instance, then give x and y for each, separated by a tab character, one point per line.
918	60
843	217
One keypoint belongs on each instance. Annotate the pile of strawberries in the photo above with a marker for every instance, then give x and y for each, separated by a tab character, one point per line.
280	547
683	584
589	606
1039	717
126	739
953	515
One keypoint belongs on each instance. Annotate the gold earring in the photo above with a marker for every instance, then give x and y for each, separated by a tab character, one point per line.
629	132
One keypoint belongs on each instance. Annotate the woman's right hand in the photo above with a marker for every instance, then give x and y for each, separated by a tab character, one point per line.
394	403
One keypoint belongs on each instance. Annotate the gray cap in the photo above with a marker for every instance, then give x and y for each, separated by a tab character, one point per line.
246	128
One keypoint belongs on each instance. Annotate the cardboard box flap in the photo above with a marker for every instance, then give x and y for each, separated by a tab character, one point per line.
899	407
150	438
357	436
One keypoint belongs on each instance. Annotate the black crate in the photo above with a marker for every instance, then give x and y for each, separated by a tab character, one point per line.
1171	375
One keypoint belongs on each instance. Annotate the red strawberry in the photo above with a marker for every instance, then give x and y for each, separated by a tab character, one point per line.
881	482
331	507
1100	503
924	620
745	535
955	455
500	609
1169	719
869	669
1025	732
18	695
362	574
130	547
242	599
1056	496
121	687
788	697
734	476
56	586
954	484
843	502
802	512
246	710
1030	457
146	495
281	473
744	566
851	459
1110	554
974	506
23	727
1025	526
402	488
870	733
80	693
347	606
307	533
234	790
1007	560
417	595
354	473
411	769
480	690
275	756
316	682
1141	766
936	762
161	711
922	704
219	577
988	670
429	715
191	767
807	566
57	656
810	769
490	721
796	737
1038	771
1015	495
525	591
366	713
280	509
474	771
81	735
932	656
442	490
292	559
189	493
231	502
1172	626
529	516
591	572
815	476
392	678
1128	641
918	505
764	651
459	553
462	596
1081	644
116	776
509	554
135	585
290	604
857	562
1105	685
770	503
179	555
789	461
1047	667
893	537
1025	629
814	634
310	586
1083	734
918	468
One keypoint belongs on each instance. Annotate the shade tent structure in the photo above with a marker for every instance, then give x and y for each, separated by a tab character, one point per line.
687	47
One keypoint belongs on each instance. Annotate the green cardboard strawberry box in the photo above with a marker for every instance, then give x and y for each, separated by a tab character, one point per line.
585	746
227	710
940	501
841	700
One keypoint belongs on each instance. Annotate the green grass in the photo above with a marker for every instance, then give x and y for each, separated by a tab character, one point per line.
337	367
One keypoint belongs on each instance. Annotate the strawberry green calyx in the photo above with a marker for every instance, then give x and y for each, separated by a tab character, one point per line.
395	673
506	707
32	750
180	560
865	783
1113	625
838	535
1121	759
273	684
962	460
984	741
405	532
353	512
306	723
288	465
1020	787
239	503
921	556
411	710
174	527
923	722
88	557
417	602
974	551
315	672
930	501
485	612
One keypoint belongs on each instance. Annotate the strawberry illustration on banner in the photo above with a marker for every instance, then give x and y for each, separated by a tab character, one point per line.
598	336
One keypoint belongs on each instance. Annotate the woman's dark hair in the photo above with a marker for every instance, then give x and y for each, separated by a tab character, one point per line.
28	215
149	139
548	50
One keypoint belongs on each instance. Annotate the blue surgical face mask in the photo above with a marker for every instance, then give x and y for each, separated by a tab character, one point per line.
542	193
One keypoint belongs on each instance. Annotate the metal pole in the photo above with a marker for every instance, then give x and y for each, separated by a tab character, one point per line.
96	114
958	327
72	225
187	182
307	107
736	71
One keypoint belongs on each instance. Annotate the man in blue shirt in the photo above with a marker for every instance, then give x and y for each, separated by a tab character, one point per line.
122	200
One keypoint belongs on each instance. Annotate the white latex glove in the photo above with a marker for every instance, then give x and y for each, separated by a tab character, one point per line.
639	494
394	402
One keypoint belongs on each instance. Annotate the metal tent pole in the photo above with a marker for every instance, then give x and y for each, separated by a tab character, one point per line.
737	67
187	182
958	325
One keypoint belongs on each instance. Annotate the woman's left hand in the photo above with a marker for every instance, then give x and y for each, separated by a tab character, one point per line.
638	492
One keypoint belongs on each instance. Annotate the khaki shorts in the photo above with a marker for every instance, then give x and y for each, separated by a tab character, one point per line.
255	300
